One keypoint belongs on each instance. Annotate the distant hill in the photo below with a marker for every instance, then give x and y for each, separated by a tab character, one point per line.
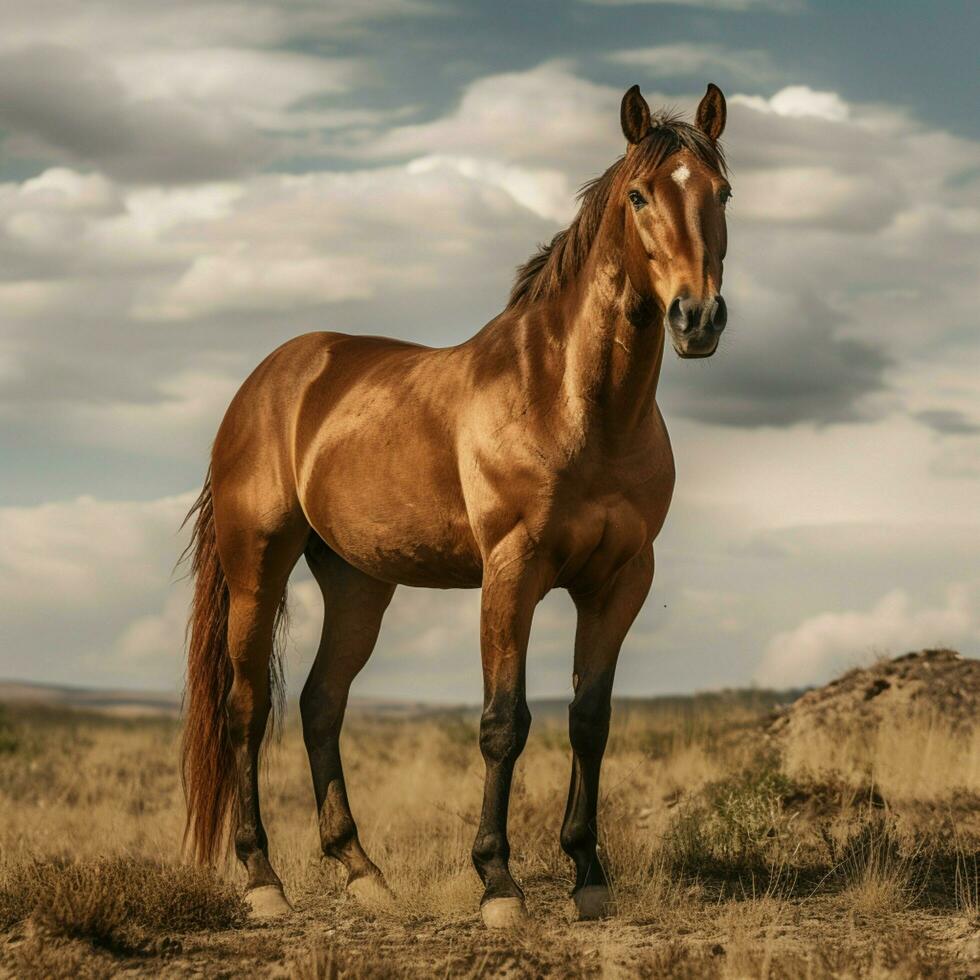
116	702
127	703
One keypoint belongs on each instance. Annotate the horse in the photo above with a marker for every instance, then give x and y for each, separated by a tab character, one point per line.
530	457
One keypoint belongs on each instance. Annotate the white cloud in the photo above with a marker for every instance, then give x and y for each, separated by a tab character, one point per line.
138	24
545	192
85	553
826	644
686	58
258	83
254	282
799	101
820	196
180	421
539	116
156	636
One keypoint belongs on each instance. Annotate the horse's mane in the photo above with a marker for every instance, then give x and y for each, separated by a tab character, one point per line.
554	264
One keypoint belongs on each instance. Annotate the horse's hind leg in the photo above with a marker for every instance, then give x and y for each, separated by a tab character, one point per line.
257	566
353	606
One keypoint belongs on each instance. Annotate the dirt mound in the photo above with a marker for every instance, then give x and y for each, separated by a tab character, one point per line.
939	683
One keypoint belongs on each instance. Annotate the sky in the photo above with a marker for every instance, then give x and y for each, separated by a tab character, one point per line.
184	186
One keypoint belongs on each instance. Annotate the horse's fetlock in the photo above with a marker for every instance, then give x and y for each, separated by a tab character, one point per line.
248	840
337	834
489	848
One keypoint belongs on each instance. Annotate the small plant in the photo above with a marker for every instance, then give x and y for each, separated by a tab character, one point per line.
117	903
967	885
739	821
879	877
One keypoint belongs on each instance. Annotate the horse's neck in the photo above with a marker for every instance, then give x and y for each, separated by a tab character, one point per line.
611	365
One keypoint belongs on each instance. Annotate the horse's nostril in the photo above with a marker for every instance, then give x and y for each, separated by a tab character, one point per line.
720	316
682	315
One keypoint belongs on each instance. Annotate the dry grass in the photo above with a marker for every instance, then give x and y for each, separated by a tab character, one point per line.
915	757
728	860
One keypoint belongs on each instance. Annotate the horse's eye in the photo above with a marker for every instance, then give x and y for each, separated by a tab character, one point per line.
637	200
725	195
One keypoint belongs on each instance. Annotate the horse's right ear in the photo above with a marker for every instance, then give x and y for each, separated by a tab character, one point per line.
634	114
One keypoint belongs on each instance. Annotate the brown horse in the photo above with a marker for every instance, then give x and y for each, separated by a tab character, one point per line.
531	457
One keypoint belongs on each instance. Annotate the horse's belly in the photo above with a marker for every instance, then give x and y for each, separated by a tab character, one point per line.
404	535
409	557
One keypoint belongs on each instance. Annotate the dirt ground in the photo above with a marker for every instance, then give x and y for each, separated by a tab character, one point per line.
738	848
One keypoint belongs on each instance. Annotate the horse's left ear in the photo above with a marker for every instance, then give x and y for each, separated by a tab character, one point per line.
634	115
710	118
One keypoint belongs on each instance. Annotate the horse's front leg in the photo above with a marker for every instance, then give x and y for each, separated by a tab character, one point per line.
512	586
604	618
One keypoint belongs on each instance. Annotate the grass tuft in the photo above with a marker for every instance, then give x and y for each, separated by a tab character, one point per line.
117	904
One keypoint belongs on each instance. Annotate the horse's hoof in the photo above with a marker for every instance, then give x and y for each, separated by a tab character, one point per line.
370	891
503	913
267	902
594	902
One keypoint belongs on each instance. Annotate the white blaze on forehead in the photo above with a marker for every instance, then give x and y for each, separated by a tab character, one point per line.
681	174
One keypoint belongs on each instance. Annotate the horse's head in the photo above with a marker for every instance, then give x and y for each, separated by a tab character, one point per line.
673	198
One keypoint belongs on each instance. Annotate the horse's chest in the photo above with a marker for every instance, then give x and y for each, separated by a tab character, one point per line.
592	545
610	521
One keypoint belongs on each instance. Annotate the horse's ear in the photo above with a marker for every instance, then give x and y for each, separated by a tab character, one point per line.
710	118
634	114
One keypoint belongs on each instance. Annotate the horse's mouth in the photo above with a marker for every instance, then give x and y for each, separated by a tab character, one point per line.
692	348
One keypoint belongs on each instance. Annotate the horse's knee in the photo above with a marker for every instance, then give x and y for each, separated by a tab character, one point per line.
247	707
321	719
588	722
504	728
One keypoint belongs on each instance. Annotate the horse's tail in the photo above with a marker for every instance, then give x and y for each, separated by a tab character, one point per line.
207	759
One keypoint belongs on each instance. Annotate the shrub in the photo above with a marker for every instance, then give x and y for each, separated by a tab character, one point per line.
117	903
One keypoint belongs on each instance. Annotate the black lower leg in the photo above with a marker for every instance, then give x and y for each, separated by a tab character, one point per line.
588	724
248	712
504	729
338	833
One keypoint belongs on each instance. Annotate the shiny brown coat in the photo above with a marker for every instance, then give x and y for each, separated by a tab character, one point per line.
532	456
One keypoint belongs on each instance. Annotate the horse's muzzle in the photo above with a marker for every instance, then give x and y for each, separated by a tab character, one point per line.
695	327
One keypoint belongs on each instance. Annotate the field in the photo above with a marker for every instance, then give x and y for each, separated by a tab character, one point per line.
733	854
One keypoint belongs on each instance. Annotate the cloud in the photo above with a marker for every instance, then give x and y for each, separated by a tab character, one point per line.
85	551
787	361
105	25
546	192
799	101
78	109
686	59
145	92
81	583
538	116
826	644
948	421
156	636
